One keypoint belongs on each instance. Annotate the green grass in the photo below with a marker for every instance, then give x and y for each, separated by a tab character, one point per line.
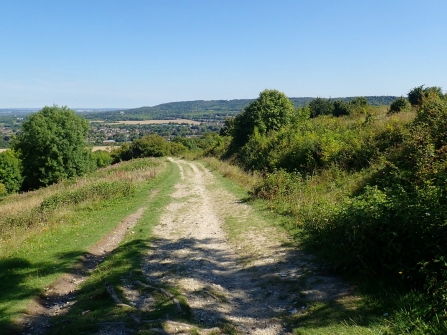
51	247
122	267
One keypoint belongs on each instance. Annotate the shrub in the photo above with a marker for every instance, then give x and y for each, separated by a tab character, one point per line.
277	184
399	105
150	146
10	172
359	102
320	106
102	158
419	95
341	108
397	226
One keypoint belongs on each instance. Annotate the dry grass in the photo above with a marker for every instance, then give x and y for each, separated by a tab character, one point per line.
105	147
1	150
235	173
156	122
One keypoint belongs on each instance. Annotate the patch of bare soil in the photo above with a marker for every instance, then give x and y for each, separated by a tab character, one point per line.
61	295
249	282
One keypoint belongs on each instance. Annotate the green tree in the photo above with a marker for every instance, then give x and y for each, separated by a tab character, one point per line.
419	95
320	106
150	146
341	108
359	102
10	172
102	158
271	111
51	146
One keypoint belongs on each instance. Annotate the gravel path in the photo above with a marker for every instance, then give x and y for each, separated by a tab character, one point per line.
250	282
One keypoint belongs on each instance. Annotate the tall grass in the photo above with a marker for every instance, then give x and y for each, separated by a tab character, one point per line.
244	179
22	215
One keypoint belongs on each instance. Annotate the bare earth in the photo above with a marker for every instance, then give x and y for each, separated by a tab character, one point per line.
251	281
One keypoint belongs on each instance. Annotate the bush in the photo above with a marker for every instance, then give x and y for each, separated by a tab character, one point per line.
10	172
341	108
280	183
102	158
420	95
399	105
148	146
320	106
397	226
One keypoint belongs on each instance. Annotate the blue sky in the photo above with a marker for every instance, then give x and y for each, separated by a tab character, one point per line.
132	53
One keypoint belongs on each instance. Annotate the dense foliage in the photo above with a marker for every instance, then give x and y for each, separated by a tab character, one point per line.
270	112
338	107
10	172
419	95
367	191
401	104
147	146
51	146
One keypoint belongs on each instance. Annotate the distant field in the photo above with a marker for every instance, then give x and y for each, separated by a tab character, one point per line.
1	150
156	121
104	147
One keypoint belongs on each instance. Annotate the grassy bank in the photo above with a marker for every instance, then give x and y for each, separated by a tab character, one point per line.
44	233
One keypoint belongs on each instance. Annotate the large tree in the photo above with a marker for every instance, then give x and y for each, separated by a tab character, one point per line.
52	147
271	111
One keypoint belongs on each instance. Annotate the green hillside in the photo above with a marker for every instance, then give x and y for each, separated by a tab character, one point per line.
211	109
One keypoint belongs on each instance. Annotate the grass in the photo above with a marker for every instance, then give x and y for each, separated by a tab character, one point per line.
36	250
123	269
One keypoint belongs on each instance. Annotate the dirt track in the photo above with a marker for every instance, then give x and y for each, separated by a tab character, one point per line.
250	282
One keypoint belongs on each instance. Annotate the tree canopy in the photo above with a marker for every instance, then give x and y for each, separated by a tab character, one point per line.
271	111
52	147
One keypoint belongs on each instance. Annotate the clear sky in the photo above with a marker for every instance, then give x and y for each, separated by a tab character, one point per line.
132	53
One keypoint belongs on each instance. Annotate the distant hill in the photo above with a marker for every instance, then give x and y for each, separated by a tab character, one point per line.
205	109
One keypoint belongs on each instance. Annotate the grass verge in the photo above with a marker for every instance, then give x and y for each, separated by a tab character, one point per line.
39	246
122	271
